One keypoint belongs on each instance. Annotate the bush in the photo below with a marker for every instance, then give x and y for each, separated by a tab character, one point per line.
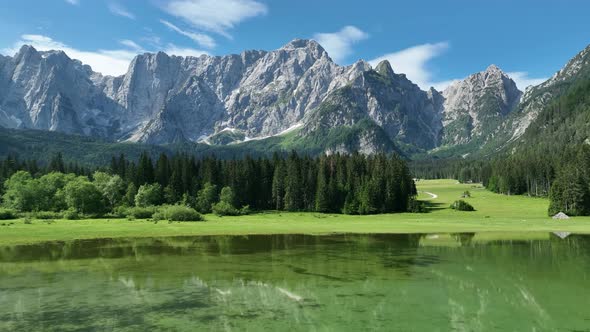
416	206
177	213
120	211
140	212
7	214
47	215
461	205
225	209
71	214
245	210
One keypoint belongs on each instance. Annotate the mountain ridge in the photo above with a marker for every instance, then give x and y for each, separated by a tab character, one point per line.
255	95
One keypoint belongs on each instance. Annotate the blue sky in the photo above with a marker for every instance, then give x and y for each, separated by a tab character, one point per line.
432	41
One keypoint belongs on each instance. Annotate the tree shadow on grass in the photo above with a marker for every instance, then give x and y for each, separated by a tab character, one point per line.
432	206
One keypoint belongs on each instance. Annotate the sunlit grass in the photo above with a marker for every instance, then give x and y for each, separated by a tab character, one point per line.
494	213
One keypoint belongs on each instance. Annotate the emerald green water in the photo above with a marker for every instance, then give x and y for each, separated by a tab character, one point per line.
299	283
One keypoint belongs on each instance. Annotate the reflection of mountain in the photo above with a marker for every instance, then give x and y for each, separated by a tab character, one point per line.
297	282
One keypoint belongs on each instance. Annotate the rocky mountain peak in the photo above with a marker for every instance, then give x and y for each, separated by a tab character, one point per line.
474	107
493	69
384	69
308	46
302	43
26	49
26	53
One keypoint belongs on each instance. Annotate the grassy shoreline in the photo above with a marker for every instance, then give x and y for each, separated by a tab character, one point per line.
495	214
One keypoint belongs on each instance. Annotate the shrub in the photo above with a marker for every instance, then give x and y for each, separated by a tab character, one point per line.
140	212
121	211
7	214
225	209
461	205
416	206
47	215
177	213
71	214
245	210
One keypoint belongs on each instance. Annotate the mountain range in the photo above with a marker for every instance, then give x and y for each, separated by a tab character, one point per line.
296	97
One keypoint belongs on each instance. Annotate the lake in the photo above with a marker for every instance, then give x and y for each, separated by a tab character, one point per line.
404	282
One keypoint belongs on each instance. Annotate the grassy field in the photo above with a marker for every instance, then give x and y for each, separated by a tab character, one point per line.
495	213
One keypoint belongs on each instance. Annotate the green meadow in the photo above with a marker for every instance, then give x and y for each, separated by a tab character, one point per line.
494	214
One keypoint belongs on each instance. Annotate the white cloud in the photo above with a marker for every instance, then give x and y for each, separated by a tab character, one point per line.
441	85
131	44
339	44
73	2
172	49
200	38
108	62
119	10
522	79
413	62
215	15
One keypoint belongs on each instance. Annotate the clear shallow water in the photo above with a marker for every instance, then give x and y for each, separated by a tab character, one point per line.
298	283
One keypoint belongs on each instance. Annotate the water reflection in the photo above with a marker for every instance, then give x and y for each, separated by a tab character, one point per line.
341	282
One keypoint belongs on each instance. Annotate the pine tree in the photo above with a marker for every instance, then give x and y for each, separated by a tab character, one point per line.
293	199
57	164
322	197
145	169
278	185
162	172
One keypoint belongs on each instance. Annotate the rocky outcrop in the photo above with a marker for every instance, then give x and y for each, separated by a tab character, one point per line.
474	108
404	113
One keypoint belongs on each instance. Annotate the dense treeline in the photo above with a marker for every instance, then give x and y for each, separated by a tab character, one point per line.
354	184
459	169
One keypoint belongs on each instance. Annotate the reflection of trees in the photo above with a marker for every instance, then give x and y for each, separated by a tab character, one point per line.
400	252
464	238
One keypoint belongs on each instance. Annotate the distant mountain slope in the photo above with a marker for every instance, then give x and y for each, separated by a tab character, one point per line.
539	97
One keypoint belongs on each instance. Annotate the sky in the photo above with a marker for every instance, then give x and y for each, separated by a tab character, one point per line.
433	42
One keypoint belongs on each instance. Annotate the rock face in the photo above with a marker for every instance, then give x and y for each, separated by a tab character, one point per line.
475	107
165	99
49	91
258	94
379	104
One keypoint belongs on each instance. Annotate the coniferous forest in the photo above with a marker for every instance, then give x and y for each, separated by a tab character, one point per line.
353	184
